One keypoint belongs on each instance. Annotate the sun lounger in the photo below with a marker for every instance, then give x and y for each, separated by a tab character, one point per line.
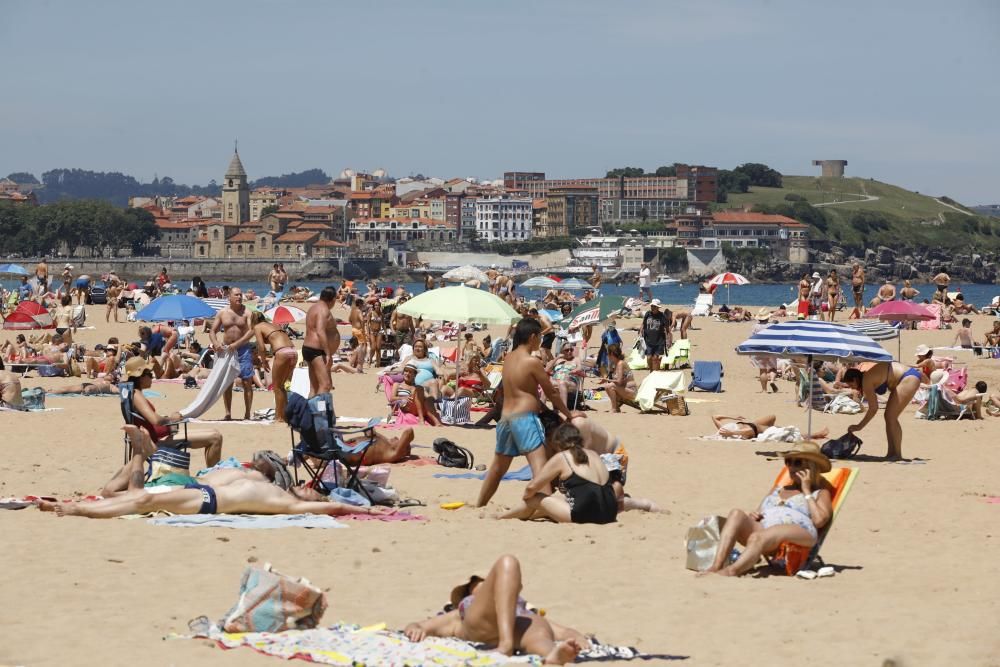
703	305
793	557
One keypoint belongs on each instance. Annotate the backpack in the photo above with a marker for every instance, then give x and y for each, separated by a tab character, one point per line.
843	447
451	455
33	399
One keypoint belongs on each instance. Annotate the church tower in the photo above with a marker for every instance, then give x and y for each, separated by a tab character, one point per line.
235	193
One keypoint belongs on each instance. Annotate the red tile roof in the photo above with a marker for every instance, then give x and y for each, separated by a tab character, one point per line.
296	237
326	243
747	218
242	237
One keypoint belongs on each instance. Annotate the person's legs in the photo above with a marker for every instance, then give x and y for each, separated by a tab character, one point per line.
210	440
738	528
491	482
132	475
319	376
899	398
227	401
766	541
281	372
248	398
493	609
762	377
653	361
765	422
613	397
180	501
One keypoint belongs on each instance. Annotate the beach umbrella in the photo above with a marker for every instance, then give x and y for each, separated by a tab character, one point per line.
29	315
553	315
13	269
727	278
461	304
539	282
875	329
574	284
810	340
466	273
596	310
175	307
215	303
285	314
900	311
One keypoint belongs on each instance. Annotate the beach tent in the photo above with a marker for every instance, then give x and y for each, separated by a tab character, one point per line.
29	315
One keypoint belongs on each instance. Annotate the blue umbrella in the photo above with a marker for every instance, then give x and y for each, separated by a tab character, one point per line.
813	339
175	307
574	284
13	269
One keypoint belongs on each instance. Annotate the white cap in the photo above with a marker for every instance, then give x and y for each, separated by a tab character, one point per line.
655	302
68	266
816	274
493	266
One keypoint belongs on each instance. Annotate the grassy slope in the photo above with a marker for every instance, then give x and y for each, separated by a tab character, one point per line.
919	216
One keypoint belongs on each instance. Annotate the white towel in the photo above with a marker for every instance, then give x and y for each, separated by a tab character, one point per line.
224	372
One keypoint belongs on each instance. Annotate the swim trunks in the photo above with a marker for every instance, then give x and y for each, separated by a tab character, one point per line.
519	434
548	339
209	505
245	355
310	353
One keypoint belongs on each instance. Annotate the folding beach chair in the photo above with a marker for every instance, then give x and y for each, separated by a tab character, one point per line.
703	305
654	387
707	376
173	453
939	406
678	355
794	557
322	442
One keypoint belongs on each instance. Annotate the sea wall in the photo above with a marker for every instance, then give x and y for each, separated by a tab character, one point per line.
556	258
182	270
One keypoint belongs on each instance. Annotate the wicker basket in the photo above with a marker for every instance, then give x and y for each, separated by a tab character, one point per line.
673	403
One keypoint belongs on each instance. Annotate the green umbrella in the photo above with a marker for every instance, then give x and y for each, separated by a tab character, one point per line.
461	304
595	310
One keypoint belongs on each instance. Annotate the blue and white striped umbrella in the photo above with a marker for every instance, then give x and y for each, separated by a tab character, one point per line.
539	282
814	339
875	329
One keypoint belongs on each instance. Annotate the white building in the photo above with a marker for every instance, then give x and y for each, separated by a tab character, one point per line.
503	219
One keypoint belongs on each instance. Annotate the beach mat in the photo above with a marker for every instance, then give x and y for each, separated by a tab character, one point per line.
248	521
522	475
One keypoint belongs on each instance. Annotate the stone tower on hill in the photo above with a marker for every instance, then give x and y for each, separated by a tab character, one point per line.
235	193
831	168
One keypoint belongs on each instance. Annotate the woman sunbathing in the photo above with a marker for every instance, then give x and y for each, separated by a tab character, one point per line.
792	513
491	611
589	496
741	428
408	397
471	381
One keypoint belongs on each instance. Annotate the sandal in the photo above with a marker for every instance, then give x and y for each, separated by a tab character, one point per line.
410	502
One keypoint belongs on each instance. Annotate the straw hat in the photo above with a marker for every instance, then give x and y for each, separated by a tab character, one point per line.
458	593
810	451
135	366
938	376
922	350
763	314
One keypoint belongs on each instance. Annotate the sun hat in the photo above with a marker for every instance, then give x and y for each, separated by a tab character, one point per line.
938	376
655	302
763	314
922	350
460	592
811	451
816	274
135	366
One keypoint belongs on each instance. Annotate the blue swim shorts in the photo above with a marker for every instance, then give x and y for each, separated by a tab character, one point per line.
519	434
245	355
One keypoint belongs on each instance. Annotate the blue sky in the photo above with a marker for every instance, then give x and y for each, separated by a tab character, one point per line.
905	91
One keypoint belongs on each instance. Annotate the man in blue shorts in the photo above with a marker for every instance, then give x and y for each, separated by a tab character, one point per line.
519	431
234	320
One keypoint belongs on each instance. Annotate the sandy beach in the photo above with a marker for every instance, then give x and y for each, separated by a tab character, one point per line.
915	546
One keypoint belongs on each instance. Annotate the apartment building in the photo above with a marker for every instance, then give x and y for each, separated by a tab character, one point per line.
504	219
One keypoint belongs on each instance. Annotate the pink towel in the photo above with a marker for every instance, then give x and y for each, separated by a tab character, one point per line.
993	500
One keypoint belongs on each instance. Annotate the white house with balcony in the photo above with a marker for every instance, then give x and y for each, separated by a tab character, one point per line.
503	219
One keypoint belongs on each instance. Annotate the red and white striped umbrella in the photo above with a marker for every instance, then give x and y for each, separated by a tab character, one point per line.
285	314
728	278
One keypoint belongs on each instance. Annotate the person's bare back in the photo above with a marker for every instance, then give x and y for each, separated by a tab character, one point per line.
522	375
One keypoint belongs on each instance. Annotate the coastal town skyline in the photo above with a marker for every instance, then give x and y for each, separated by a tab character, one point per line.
571	90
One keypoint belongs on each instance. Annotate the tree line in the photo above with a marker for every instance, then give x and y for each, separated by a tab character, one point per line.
69	226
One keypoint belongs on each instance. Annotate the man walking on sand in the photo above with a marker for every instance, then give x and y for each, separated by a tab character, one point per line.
519	431
234	320
321	342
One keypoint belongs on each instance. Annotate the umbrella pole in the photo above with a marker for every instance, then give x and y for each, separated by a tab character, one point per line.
809	408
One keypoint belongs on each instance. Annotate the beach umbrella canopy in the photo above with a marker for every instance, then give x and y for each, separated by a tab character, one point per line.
215	303
13	269
539	282
900	311
460	304
466	273
573	284
813	339
728	278
175	307
875	329
596	310
285	314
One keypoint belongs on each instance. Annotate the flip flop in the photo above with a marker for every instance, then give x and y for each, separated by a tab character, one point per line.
410	502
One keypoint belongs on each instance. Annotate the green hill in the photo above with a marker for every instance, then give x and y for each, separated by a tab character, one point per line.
858	212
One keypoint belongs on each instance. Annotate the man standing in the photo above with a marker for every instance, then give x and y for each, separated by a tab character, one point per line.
321	342
282	279
519	431
428	281
858	289
645	283
274	278
816	294
596	278
655	332
234	320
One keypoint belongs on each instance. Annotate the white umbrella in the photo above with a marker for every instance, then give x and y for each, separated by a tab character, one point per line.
539	282
574	284
466	273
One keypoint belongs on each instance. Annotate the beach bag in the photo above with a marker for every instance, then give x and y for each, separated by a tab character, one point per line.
676	405
273	602
451	455
166	460
34	398
49	371
456	410
843	405
843	447
703	542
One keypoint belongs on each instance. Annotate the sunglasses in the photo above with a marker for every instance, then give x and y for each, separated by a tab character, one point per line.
147	372
797	463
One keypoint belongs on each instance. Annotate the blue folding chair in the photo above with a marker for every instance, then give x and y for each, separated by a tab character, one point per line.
174	454
322	442
707	376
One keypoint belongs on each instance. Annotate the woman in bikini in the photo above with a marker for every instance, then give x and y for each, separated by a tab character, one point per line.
621	387
471	382
901	382
373	322
491	610
285	357
408	397
588	495
832	292
748	429
63	316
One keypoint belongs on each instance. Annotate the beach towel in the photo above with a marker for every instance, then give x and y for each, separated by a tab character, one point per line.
255	521
522	475
300	382
672	380
349	645
935	310
780	434
224	371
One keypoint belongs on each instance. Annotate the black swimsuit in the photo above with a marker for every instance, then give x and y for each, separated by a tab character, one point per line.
310	353
590	502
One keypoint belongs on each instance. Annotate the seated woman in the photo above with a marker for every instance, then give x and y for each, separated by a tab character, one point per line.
471	381
792	513
566	373
10	390
901	382
355	361
140	373
583	477
428	369
621	386
408	397
748	429
491	611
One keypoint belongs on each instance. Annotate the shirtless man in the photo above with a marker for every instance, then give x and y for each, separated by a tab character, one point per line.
321	342
519	431
428	282
402	325
858	288
234	320
492	274
682	321
357	320
941	280
887	292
